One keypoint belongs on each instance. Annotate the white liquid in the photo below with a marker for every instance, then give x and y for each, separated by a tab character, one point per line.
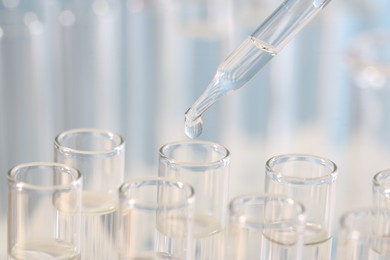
318	243
173	237
282	249
66	224
282	245
169	239
380	248
272	249
151	256
375	255
39	250
232	74
208	238
98	236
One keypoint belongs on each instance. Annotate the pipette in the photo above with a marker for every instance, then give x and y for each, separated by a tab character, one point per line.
253	53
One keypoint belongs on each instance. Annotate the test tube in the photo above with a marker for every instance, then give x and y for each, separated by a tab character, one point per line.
264	226
25	79
155	219
205	166
99	155
253	53
380	244
311	180
381	189
44	211
381	197
360	234
354	235
368	60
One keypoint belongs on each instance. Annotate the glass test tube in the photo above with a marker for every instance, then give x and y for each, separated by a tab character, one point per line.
358	234
381	197
381	189
310	180
99	155
205	166
155	219
368	60
25	79
44	211
263	226
85	61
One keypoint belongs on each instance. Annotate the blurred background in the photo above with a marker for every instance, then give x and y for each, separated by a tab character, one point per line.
135	67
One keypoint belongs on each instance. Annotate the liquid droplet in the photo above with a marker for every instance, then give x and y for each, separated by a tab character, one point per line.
193	128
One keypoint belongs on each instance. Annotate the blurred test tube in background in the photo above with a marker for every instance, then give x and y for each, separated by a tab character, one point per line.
26	115
381	189
86	55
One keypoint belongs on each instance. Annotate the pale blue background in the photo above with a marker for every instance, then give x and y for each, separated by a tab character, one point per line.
135	66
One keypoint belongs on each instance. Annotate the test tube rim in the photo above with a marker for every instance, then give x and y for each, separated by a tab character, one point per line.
116	149
280	177
378	182
15	171
368	211
200	166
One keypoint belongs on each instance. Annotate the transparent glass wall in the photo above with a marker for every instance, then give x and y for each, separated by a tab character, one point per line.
135	66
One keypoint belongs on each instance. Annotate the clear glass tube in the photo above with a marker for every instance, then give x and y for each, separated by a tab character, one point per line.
99	155
253	53
368	60
263	226
310	180
155	219
85	61
354	235
44	211
368	57
381	197
380	241
360	234
205	166
381	189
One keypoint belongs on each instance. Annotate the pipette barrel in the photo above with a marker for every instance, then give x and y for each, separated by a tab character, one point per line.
286	21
